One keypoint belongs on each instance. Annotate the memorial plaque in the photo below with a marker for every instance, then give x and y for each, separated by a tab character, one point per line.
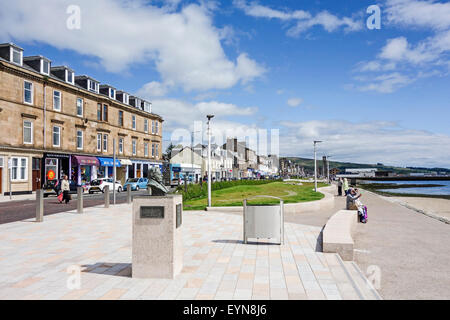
152	212
179	215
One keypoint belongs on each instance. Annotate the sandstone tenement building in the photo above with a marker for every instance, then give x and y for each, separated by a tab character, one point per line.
55	123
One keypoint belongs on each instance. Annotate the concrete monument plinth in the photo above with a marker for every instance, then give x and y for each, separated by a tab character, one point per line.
157	240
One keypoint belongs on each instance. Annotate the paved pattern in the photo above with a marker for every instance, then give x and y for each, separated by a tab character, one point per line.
35	257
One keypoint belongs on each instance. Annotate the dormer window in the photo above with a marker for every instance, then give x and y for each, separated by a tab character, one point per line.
45	67
126	98
112	93
69	77
16	56
93	86
147	106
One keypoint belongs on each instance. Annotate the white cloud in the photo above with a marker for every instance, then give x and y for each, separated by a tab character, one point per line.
429	14
304	20
411	61
294	102
153	89
386	83
184	45
367	142
178	113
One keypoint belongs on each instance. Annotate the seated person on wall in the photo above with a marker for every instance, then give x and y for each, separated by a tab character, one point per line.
352	197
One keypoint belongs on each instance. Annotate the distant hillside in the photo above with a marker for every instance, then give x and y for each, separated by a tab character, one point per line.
308	164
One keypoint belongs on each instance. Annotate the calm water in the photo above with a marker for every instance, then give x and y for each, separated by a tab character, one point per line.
444	190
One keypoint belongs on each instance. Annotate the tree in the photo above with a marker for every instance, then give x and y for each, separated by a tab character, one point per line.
168	154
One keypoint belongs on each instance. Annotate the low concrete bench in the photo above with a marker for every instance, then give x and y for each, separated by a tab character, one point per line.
337	234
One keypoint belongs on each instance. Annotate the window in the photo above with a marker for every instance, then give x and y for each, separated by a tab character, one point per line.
145	125
156	127
153	150
134	147
112	93
16	56
120	145
126	98
79	107
105	143
28	92
157	149
153	127
99	142
133	120
145	149
99	112
121	118
105	113
56	100
27	132
93	86
19	169
69	76
45	67
56	136
79	139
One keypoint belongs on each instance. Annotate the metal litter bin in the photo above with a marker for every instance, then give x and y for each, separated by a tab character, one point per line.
264	222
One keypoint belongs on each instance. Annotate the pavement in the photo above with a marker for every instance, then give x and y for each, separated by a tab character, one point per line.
410	249
35	259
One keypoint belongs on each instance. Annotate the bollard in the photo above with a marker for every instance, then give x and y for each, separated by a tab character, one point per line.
80	199
40	205
129	195
106	191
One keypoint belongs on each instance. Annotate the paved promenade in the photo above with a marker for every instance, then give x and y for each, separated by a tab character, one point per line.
410	248
34	258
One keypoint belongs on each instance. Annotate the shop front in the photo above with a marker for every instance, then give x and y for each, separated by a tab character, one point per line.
84	169
56	166
140	168
123	172
106	168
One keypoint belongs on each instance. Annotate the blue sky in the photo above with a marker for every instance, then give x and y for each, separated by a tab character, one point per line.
311	69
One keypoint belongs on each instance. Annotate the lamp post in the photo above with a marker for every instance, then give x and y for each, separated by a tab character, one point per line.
192	155
114	171
328	168
210	116
315	164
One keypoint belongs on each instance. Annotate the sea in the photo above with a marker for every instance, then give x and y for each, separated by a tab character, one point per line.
443	190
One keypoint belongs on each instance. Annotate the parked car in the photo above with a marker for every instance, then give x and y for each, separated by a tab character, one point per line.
135	184
53	187
99	185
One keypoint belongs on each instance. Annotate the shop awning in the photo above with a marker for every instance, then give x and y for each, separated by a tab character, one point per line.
126	162
108	162
86	161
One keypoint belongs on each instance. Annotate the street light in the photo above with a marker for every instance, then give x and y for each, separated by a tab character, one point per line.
210	116
315	165
328	168
192	154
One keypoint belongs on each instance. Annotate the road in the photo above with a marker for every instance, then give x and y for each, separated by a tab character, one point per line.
21	210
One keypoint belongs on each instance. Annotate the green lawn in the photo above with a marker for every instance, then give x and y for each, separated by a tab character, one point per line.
234	196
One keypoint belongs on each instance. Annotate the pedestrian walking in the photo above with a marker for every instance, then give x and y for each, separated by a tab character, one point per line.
340	187
65	188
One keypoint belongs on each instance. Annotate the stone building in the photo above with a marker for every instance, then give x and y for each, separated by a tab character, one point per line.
55	123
